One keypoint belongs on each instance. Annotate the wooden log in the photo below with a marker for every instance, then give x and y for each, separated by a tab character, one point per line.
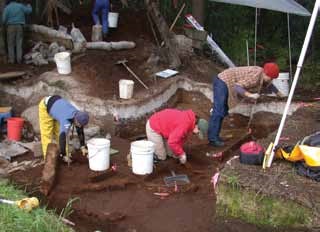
50	168
170	45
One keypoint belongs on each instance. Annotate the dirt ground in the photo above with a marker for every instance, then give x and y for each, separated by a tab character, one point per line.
121	201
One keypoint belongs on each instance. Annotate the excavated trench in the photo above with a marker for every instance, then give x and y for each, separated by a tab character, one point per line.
121	201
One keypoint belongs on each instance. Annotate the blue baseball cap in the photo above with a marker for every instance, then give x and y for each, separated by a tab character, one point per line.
82	118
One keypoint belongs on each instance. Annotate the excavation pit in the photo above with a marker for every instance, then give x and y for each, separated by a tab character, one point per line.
121	201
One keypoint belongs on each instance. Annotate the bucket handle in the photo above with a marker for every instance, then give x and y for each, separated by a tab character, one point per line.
89	157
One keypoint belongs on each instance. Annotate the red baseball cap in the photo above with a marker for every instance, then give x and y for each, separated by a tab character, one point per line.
271	70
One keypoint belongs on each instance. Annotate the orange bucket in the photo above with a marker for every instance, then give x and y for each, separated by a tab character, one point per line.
14	128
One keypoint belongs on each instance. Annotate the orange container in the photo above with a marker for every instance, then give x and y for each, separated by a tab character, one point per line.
14	128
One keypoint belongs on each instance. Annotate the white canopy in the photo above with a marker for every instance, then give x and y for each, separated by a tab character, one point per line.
287	6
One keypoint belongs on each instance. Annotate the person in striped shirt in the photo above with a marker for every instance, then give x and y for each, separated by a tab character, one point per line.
233	84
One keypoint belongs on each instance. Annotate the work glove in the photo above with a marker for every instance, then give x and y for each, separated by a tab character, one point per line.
84	150
183	158
280	95
254	96
67	159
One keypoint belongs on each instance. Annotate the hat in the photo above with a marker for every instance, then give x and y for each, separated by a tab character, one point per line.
82	118
203	128
271	70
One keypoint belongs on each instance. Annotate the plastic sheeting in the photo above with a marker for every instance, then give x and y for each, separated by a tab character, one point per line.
287	6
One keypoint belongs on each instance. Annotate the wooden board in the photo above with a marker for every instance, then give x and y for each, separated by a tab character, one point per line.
5	109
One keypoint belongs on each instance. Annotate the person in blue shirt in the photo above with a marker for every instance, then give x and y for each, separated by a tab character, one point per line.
14	17
101	7
56	116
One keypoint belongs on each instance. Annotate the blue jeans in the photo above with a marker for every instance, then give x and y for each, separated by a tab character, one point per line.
101	6
220	108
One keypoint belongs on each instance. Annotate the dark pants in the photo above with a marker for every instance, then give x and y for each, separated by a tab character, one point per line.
15	40
220	108
101	7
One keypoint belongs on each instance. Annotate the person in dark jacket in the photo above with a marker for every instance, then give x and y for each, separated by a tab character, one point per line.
56	116
101	8
14	17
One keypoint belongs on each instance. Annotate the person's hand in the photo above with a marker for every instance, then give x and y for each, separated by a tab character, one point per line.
280	95
254	96
84	150
67	159
183	158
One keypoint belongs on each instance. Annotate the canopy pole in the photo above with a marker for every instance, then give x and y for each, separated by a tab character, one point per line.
255	37
289	47
296	77
248	58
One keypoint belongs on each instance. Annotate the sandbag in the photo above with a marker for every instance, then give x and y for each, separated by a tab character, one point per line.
108	46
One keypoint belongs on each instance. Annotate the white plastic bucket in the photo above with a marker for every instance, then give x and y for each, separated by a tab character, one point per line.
99	154
126	88
63	62
113	19
282	83
142	157
96	34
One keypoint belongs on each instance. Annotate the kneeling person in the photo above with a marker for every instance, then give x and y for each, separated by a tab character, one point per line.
168	130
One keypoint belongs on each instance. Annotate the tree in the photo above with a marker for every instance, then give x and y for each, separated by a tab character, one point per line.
198	10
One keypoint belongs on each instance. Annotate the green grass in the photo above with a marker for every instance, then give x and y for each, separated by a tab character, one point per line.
261	210
13	219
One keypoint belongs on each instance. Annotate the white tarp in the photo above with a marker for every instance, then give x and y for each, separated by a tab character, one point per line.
287	6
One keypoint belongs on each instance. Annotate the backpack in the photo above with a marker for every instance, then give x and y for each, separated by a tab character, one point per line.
251	153
312	140
304	170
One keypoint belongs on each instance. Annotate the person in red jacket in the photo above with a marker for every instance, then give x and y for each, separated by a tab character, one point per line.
168	130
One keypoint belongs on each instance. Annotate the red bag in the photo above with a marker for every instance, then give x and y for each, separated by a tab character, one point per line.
251	153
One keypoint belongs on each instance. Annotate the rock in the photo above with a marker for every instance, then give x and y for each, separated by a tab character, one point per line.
53	49
63	29
35	147
3	173
4	163
184	45
91	132
9	149
32	115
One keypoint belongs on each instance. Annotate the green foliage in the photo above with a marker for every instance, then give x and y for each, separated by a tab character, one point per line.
169	12
260	210
67	211
13	219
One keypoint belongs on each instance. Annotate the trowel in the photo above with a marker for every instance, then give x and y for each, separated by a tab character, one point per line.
176	180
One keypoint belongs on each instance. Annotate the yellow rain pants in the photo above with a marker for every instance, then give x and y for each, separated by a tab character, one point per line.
49	127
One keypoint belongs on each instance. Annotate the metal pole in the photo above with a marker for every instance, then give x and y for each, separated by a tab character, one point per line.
296	77
255	37
248	58
289	44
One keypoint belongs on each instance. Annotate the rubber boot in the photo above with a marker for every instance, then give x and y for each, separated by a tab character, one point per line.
214	131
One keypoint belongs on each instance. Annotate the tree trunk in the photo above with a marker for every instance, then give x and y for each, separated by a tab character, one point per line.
198	7
170	46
